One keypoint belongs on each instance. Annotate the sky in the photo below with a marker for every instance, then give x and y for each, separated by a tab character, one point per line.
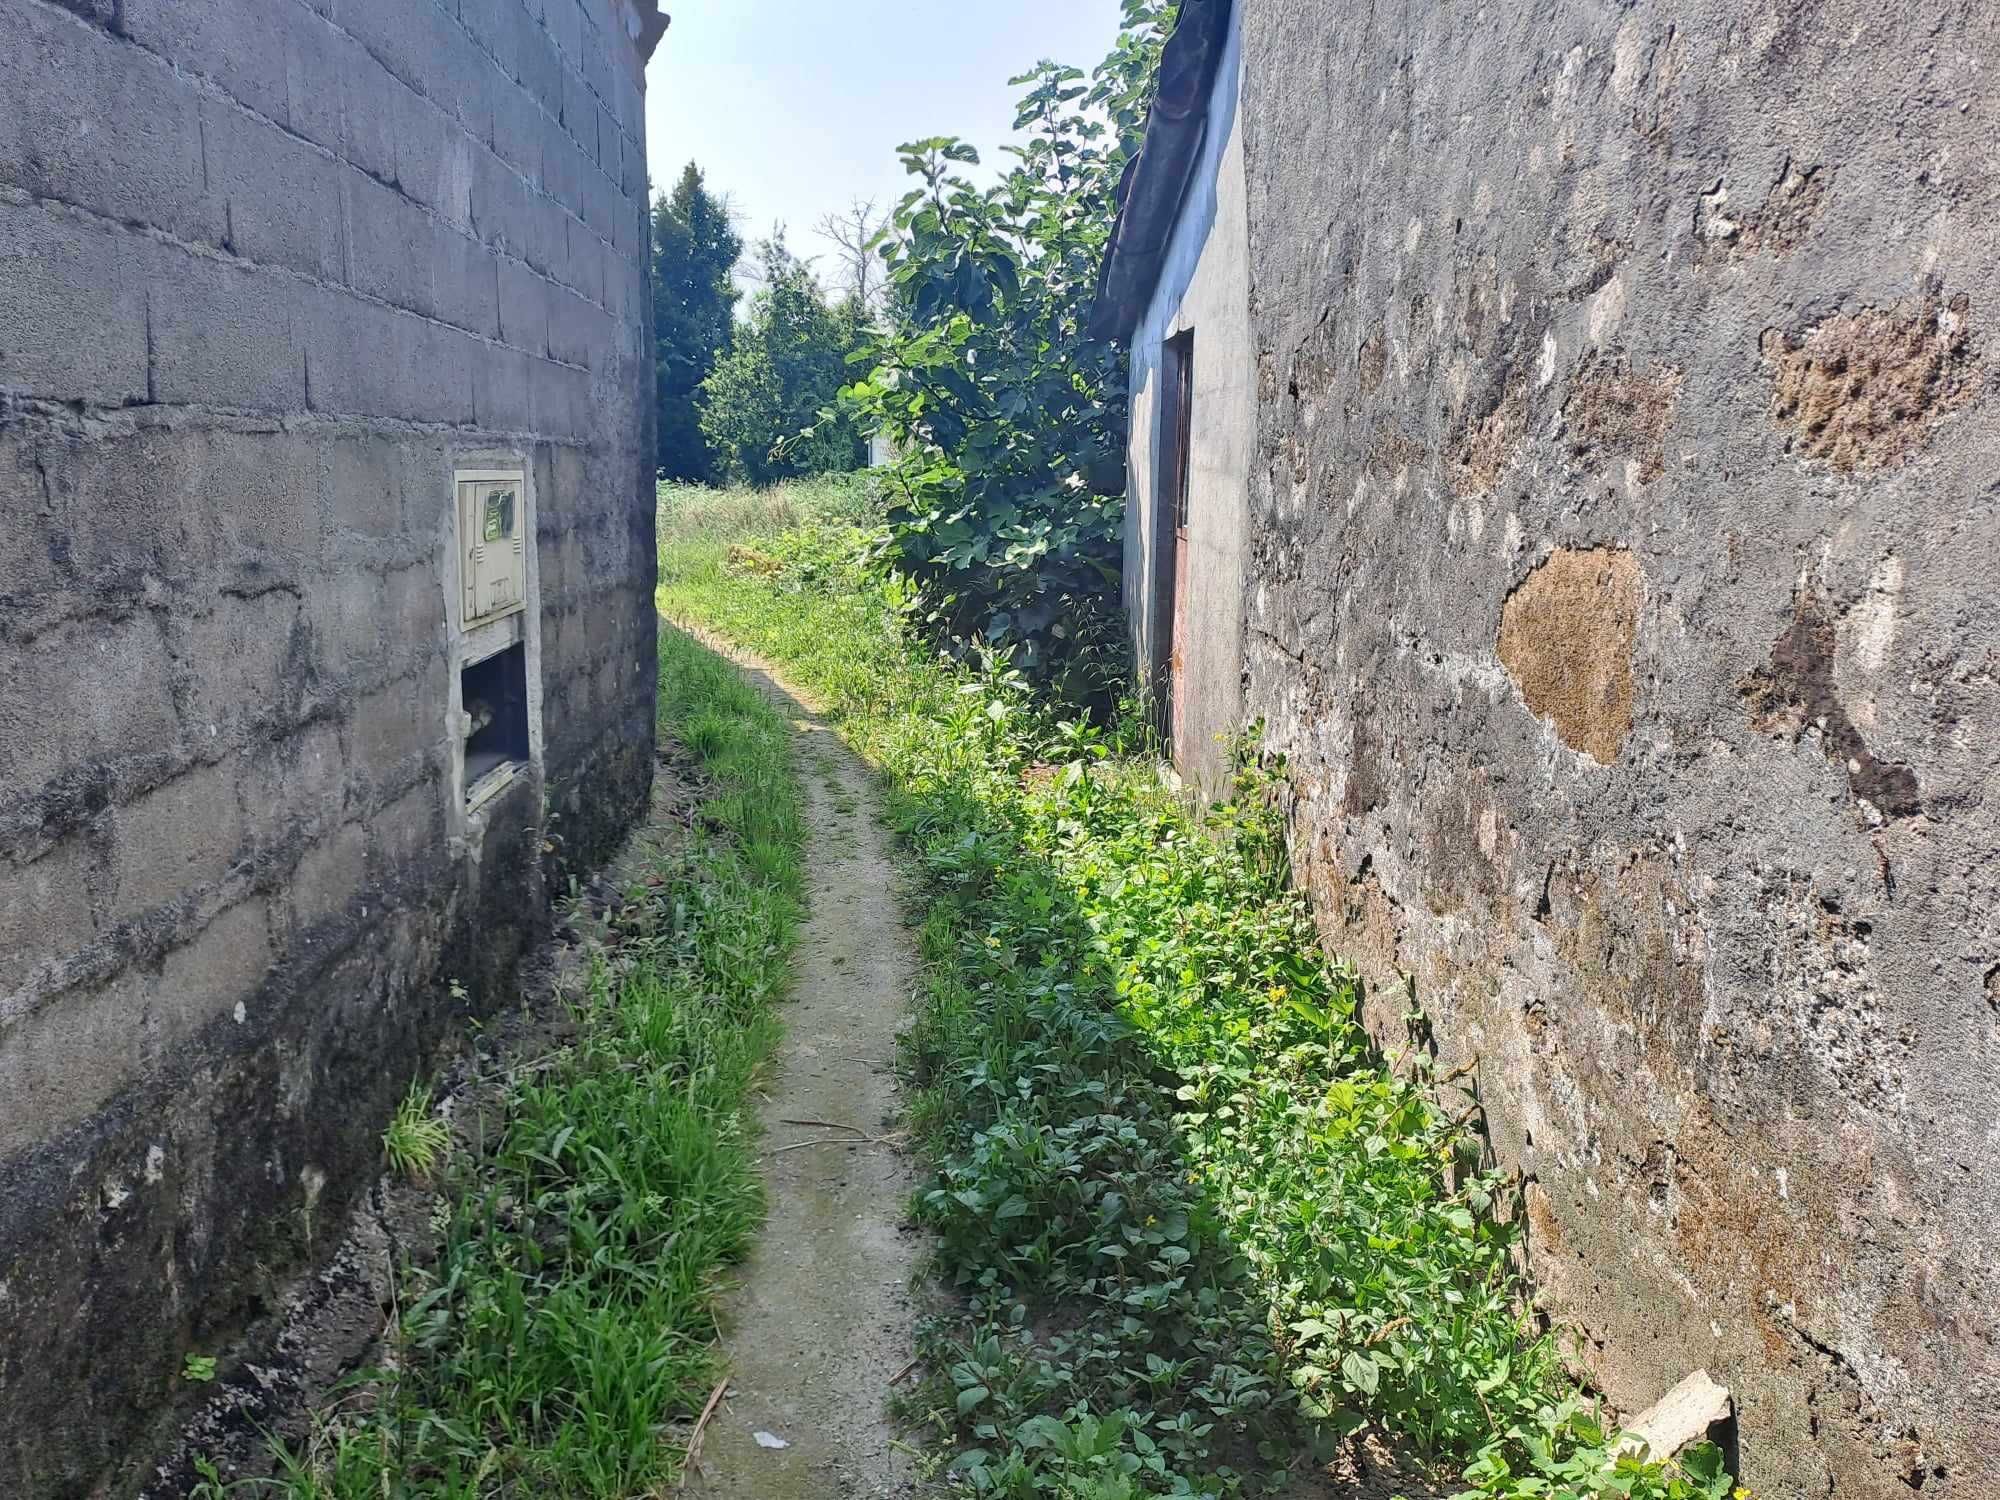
793	108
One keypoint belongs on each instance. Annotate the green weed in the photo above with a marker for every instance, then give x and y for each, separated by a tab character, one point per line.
416	1139
1202	1230
568	1320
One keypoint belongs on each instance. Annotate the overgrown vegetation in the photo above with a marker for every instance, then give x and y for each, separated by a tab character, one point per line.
1202	1230
760	406
1008	418
568	1318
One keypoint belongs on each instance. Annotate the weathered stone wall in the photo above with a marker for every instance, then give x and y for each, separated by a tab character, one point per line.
267	268
1625	590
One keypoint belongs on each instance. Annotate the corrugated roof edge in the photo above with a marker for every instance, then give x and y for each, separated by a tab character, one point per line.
1156	179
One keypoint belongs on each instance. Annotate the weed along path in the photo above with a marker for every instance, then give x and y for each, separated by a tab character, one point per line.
823	1320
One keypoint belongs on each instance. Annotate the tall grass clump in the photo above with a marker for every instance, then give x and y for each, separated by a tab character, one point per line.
568	1320
1204	1231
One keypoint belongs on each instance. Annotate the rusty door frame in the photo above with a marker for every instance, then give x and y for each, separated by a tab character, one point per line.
1171	557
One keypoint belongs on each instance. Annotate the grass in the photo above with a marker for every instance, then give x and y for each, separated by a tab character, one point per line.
1202	1228
416	1139
692	512
568	1323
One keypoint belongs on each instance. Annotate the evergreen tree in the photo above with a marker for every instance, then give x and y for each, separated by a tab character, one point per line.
694	302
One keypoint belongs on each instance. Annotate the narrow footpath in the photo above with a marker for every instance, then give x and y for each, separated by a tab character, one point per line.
822	1321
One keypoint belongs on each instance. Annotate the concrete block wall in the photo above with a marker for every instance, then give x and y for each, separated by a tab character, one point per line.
267	268
1623	592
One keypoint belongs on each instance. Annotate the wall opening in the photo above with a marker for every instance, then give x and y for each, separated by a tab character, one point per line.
1170	533
495	732
494	721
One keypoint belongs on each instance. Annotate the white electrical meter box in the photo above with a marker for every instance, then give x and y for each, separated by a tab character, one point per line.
493	549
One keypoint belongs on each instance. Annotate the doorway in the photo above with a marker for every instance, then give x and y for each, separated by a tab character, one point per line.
1170	539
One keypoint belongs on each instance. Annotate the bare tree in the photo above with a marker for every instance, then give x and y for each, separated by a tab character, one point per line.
854	233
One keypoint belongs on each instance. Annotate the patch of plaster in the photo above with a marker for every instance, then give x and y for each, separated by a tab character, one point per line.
1863	390
1566	639
1611	410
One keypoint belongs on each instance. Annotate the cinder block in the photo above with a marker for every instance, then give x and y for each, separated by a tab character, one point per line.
344	610
413	39
390	731
370	361
467	283
413	612
564	25
361	492
560	400
524	308
61	138
239	45
494	30
607	141
60	1063
249	661
631	229
578	115
82	692
221	969
562	167
330	876
548	237
125	506
258	493
222	335
421	132
175	839
540	66
28	564
294	781
569	334
372	102
517	138
46	914
441	361
316	64
603	204
472	88
499	204
72	309
284	203
586	262
408	833
629	168
595	43
389	248
500	391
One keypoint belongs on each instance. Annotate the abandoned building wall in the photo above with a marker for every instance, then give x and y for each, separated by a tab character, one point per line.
270	270
1625	592
1203	292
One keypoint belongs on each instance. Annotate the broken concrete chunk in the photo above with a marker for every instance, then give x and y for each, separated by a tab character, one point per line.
1683	1416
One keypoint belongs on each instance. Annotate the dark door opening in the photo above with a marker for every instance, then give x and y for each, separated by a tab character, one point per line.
1170	535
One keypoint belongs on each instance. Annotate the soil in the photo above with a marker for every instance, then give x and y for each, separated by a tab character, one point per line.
823	1319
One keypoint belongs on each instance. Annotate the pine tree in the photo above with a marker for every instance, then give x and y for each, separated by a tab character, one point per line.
695	250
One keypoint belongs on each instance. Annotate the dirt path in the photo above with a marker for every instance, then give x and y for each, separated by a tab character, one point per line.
823	1318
